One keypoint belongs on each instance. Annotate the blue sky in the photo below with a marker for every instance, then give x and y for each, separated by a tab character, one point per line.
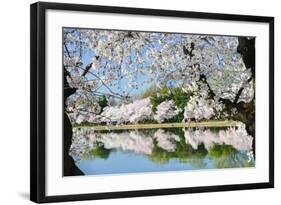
123	83
122	86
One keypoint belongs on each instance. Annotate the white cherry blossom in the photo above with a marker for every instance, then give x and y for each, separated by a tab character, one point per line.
166	110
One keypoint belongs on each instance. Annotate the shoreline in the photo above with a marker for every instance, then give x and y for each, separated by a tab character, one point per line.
229	123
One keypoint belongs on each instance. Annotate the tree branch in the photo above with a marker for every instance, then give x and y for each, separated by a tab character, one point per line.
66	49
105	85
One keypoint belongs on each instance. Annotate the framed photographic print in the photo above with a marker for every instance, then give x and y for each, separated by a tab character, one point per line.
129	102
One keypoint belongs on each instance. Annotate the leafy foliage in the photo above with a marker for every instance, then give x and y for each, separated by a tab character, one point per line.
176	94
102	102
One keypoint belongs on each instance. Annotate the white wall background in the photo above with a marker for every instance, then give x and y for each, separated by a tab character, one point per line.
14	100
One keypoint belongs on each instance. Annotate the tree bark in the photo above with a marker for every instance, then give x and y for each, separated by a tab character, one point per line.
69	166
245	111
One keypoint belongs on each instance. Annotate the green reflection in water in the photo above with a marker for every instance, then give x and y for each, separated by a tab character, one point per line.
225	156
160	146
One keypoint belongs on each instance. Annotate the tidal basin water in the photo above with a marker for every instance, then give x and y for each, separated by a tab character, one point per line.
156	150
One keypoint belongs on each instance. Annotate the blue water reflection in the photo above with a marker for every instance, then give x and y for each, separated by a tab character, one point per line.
155	150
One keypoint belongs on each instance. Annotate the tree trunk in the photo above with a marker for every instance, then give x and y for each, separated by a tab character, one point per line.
69	166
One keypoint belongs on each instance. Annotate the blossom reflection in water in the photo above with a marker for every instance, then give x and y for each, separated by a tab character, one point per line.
169	149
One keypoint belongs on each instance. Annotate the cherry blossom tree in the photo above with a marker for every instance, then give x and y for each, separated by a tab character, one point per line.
166	110
216	71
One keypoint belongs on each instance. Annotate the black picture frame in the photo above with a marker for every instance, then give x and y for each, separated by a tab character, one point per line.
38	101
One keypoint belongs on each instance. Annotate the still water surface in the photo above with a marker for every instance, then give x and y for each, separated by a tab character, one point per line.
155	150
